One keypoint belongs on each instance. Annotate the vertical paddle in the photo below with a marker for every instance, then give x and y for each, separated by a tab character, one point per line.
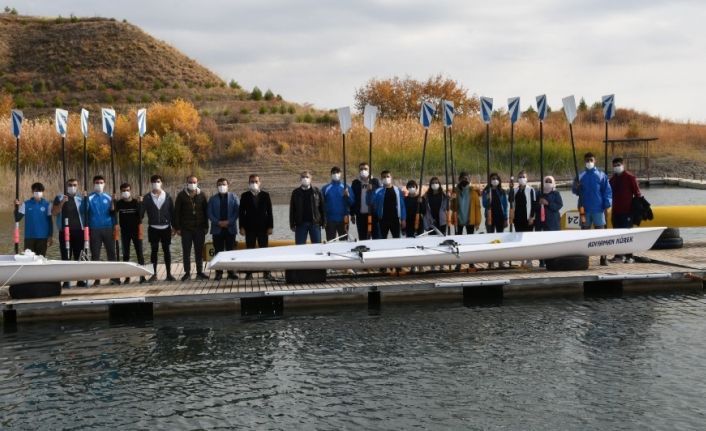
608	103
425	117
109	129
141	130
61	117
448	111
486	110
541	114
513	109
570	111
17	118
85	254
369	116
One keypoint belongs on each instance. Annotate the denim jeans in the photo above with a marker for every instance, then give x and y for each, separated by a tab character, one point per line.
312	230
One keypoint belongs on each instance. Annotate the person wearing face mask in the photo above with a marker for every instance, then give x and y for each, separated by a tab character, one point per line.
549	206
338	199
129	212
256	220
412	207
466	205
363	188
525	204
495	203
38	224
306	211
159	207
436	203
223	211
101	222
625	188
388	204
66	207
191	222
595	196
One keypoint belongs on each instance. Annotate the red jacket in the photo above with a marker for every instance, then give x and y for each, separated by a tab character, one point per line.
625	188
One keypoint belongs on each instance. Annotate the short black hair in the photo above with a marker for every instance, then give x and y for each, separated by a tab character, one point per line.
335	170
221	180
589	155
98	177
253	176
385	172
361	164
154	178
618	160
71	180
411	183
464	174
125	186
37	187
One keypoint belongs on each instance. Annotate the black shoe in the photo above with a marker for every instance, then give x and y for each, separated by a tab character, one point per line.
170	278
143	280
97	283
248	276
115	281
65	285
127	280
184	277
202	276
604	261
152	279
269	276
232	276
218	276
81	284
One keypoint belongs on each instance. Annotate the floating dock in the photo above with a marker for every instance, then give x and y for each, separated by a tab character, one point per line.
665	270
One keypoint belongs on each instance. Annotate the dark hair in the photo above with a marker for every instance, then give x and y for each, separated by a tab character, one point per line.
495	175
252	177
335	170
431	180
71	180
589	155
361	164
37	187
154	178
411	183
221	180
383	173
618	160
125	186
464	174
98	177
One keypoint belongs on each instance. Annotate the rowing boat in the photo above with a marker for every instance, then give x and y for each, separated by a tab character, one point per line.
440	250
30	268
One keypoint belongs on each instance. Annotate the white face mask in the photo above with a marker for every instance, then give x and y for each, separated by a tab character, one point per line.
38	195
156	186
223	189
435	186
125	195
387	181
364	173
254	187
618	169
590	165
71	190
306	182
98	187
494	183
412	191
548	187
335	177
192	187
522	181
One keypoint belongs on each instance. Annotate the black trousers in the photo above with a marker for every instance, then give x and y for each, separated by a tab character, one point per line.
361	224
131	237
223	242
390	226
163	237
196	238
75	244
335	229
496	227
103	237
256	239
469	229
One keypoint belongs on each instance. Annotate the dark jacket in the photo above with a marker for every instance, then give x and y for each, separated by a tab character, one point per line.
158	217
191	212
358	190
552	217
255	218
642	210
214	213
296	207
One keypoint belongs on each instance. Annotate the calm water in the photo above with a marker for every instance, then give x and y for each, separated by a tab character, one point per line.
624	363
656	196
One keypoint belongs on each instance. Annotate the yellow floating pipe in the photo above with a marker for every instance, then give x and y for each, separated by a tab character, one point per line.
667	215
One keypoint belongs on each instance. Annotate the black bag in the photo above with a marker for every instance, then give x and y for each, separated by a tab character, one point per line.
641	210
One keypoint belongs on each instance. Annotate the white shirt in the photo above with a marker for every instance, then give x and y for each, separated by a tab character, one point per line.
159	200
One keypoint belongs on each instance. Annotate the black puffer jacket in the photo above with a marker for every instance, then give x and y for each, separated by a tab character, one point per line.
296	207
191	212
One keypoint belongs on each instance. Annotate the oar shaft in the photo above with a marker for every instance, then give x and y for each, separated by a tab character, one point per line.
541	152
370	153
63	163
606	147
112	165
487	152
16	233
344	158
139	187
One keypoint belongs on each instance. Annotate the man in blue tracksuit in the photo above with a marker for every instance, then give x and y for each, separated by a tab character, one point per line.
338	199
595	196
101	223
38	225
388	204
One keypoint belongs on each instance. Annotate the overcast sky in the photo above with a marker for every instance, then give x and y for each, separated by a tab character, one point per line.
650	53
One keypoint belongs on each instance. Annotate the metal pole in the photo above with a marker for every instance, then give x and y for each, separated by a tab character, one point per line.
487	153
86	232
344	158
446	186
606	147
370	154
116	229
140	183
573	149
541	152
453	161
424	153
63	162
16	234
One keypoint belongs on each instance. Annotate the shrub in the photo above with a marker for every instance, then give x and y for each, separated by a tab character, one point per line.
291	109
256	94
262	110
162	98
281	147
234	85
282	109
39	103
273	109
129	99
20	102
244	111
57	102
145	99
239	149
269	95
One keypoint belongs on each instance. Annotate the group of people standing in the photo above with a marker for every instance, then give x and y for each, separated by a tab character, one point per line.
188	216
377	208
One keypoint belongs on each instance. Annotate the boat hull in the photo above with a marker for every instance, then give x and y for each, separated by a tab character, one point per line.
39	270
440	250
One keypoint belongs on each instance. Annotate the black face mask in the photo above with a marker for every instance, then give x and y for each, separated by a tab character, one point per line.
463	183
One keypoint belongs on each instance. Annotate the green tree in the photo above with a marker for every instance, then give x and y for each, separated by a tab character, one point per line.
583	107
256	94
269	95
234	85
